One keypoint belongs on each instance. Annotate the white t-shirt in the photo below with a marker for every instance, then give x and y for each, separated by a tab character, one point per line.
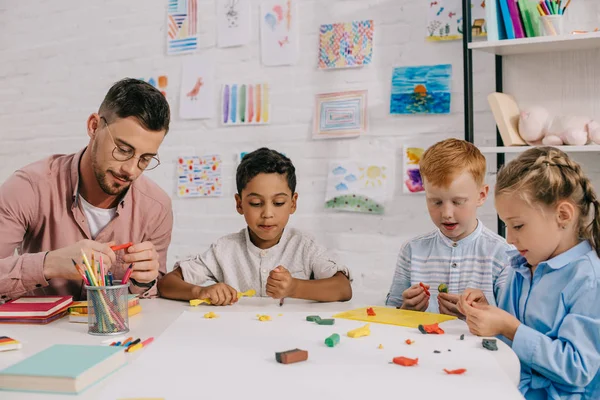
97	218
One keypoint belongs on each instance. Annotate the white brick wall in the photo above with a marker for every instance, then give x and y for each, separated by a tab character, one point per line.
58	59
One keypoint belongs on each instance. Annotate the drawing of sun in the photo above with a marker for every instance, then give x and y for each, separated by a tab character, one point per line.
372	175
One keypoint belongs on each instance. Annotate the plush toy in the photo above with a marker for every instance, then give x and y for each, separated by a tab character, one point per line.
536	127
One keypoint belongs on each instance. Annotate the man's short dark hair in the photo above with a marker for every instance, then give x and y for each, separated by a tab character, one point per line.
264	161
135	98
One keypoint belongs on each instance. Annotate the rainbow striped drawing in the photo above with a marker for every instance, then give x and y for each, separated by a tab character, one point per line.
341	114
199	176
245	104
346	45
182	26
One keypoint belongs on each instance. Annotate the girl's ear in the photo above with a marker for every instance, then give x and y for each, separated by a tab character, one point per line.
565	214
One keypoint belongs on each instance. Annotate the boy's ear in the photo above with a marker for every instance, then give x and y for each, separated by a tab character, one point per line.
483	194
565	214
238	204
294	202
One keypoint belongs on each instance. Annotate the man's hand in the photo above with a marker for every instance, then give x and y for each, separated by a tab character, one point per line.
58	263
280	283
414	298
145	261
219	294
448	304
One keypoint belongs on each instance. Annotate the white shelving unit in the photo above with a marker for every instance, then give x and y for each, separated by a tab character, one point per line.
542	44
520	149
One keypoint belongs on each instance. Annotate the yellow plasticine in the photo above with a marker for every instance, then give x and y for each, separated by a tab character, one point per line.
247	293
280	315
360	332
211	315
197	302
380	347
263	318
135	347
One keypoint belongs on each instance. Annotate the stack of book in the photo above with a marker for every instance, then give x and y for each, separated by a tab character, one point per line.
35	309
78	311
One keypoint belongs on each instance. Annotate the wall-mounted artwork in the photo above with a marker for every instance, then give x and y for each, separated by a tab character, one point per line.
445	19
245	104
182	26
341	114
357	186
346	45
233	23
160	82
413	183
197	97
421	90
279	32
199	176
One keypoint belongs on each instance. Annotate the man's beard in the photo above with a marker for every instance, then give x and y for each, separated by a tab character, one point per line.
112	190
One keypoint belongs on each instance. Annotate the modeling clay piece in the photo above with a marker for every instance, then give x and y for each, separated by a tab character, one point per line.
360	332
422	330
280	315
247	293
329	321
455	371
211	315
443	288
405	362
332	340
291	356
433	328
408	341
380	347
263	318
437	351
462	337
489	344
313	318
370	312
424	288
197	302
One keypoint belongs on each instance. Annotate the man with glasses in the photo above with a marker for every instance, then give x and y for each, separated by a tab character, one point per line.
53	209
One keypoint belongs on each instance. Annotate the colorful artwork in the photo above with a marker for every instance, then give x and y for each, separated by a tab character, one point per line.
341	114
279	32
199	176
445	19
413	183
197	99
245	104
182	26
160	82
346	45
421	90
233	23
356	186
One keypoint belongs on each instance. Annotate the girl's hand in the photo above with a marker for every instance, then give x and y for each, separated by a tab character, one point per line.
470	296
486	320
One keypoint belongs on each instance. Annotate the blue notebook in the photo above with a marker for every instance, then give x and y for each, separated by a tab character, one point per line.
63	368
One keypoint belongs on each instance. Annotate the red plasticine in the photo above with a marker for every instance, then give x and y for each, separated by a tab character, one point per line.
408	341
424	288
405	362
455	371
433	328
370	312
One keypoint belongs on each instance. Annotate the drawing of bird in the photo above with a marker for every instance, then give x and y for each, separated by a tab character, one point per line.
483	4
433	3
451	14
441	10
284	41
195	90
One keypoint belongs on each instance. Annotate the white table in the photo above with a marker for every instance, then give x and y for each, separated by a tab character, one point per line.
158	314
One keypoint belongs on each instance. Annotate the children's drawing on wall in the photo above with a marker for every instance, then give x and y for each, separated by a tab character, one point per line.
341	114
346	45
245	104
160	82
413	183
182	26
199	176
233	23
357	186
421	90
196	100
445	19
279	32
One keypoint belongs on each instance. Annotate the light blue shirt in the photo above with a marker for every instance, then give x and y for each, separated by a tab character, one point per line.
477	261
558	341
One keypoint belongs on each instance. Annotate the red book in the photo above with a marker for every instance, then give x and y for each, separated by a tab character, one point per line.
34	306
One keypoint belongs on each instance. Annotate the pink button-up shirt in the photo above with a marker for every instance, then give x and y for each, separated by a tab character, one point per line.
40	211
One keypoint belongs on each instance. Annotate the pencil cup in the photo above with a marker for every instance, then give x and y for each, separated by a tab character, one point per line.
552	25
108	310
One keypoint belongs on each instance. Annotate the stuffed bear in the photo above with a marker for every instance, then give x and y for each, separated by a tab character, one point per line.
536	127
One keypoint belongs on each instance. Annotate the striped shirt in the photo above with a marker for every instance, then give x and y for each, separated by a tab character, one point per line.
478	261
237	262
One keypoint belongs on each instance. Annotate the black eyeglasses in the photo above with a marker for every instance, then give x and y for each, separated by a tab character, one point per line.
122	153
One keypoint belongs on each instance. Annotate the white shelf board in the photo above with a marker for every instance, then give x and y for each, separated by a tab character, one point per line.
541	44
520	149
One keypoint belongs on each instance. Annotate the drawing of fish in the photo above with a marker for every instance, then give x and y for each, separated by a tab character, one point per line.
451	14
439	12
